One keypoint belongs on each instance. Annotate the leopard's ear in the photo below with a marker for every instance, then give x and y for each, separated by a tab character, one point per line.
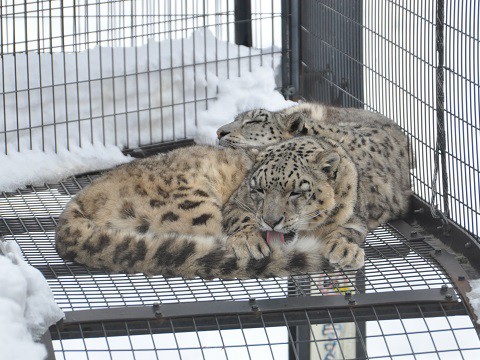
327	161
293	123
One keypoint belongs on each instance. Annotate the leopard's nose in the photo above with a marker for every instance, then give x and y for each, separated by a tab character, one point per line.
272	222
222	133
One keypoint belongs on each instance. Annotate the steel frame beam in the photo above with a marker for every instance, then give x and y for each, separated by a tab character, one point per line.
97	328
226	314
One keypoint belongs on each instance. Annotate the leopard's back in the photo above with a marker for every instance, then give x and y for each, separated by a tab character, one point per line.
180	193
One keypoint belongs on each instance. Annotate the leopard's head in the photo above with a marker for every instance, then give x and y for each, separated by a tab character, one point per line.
292	184
260	127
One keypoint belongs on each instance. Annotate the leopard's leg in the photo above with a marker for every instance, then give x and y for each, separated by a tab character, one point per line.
240	225
342	243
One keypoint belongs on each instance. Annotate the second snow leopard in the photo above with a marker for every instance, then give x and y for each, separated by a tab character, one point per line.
377	146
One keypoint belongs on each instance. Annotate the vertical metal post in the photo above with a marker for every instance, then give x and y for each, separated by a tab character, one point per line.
303	338
347	56
361	326
300	347
331	52
441	143
46	340
295	44
286	47
290	47
243	22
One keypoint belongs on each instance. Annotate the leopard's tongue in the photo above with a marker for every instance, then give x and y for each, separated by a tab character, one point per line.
275	236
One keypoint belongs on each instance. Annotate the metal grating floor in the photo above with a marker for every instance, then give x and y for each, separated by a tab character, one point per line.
406	329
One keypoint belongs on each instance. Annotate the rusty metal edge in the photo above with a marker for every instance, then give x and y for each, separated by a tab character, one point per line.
455	238
459	277
451	234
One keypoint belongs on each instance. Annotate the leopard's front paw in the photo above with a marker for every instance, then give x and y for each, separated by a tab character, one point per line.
248	244
344	254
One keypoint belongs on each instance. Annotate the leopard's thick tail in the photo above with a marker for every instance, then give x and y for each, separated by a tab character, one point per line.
79	239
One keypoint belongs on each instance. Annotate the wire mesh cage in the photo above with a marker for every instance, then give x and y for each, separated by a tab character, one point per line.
119	72
79	74
421	55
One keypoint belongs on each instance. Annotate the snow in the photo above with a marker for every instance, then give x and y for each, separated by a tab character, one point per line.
37	167
253	90
474	297
57	105
27	307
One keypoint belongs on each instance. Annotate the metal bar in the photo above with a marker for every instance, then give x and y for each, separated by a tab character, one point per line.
299	344
295	45
111	314
46	340
321	302
293	339
457	238
243	22
256	307
459	277
406	230
360	326
156	148
145	322
302	340
286	45
440	97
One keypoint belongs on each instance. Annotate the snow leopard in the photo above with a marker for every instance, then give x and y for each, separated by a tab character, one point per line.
378	147
173	214
308	188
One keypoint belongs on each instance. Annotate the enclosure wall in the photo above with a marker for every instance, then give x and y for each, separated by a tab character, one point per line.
417	63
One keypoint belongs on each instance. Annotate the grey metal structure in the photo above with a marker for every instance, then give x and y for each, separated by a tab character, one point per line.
415	62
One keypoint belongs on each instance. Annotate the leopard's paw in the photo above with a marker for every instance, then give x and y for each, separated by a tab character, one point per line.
246	245
344	254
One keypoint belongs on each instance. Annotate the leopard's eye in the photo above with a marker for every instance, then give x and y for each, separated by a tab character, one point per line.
256	189
257	192
295	194
253	121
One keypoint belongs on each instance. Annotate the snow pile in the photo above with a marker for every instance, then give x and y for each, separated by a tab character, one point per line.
474	297
27	307
37	167
253	90
57	104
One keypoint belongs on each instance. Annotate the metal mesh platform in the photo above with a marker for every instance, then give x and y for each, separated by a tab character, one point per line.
29	217
400	261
